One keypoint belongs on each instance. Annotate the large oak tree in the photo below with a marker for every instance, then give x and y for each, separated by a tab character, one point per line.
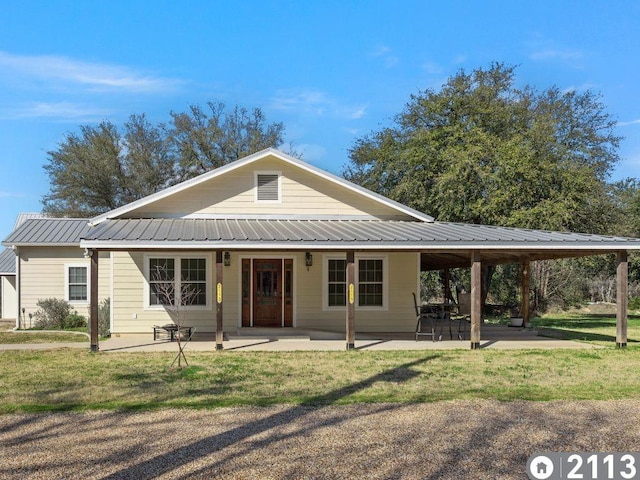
102	167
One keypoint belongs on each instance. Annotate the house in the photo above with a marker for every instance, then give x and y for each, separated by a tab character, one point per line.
272	241
8	296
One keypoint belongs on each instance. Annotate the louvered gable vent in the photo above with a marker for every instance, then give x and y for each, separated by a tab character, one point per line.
267	187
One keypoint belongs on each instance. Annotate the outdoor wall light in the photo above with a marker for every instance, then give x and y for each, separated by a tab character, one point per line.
227	259
308	260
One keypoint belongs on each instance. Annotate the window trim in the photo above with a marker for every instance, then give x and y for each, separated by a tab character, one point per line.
67	266
178	268
358	257
256	174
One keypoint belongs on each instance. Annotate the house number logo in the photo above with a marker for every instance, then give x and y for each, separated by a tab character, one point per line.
584	466
352	295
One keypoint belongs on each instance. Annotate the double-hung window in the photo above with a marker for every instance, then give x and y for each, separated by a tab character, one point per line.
77	283
371	282
177	280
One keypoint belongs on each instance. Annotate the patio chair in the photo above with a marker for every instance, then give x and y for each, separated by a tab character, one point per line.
464	314
426	320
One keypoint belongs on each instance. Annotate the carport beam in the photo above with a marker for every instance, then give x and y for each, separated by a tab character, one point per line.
622	279
525	306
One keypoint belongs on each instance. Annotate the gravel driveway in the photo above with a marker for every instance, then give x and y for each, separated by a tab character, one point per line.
461	439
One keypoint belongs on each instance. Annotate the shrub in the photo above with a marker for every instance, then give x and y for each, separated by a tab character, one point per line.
104	318
74	320
51	313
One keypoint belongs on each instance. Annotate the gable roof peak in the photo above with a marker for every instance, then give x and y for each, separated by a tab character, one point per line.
254	157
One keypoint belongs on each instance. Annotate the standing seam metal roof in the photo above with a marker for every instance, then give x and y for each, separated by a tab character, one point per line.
49	231
315	233
7	262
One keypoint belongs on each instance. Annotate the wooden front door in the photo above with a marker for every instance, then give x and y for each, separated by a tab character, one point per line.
267	293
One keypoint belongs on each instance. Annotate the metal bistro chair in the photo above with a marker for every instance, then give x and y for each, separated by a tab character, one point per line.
464	314
426	320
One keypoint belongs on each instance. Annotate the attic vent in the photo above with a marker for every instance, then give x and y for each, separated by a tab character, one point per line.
267	184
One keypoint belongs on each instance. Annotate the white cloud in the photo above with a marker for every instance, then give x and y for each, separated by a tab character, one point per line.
94	76
432	68
60	110
11	195
385	53
630	122
311	152
316	103
556	54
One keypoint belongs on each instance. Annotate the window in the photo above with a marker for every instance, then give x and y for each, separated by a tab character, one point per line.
370	283
337	283
268	187
162	275
177	279
77	284
193	272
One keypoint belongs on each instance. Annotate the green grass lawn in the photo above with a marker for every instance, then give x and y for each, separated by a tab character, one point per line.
68	379
595	328
41	337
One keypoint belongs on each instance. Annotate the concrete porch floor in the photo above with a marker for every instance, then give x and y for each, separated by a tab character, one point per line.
291	339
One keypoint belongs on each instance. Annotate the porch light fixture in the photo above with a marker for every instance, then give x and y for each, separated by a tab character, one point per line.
227	259
308	260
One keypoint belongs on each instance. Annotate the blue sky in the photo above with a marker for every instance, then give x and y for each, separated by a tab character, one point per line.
331	71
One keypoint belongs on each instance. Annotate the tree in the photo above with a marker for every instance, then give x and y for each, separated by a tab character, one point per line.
207	141
481	150
103	167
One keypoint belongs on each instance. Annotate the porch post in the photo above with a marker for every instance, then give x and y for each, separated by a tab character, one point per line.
219	332
93	301
525	307
622	278
476	299
351	301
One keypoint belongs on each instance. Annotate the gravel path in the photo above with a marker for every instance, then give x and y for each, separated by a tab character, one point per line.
461	439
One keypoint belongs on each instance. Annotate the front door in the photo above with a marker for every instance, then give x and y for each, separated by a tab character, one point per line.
267	293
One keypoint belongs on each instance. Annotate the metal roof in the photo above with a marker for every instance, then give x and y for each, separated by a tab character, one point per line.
48	232
334	234
7	262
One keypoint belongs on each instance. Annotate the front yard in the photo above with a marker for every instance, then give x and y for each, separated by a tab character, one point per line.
70	379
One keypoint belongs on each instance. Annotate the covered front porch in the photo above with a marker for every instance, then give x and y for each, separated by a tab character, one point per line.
432	246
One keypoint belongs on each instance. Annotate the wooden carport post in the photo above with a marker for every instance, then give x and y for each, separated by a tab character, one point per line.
93	305
525	304
476	299
351	301
622	279
219	332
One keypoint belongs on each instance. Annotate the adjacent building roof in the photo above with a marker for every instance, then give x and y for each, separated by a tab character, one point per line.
48	232
119	212
7	262
333	235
